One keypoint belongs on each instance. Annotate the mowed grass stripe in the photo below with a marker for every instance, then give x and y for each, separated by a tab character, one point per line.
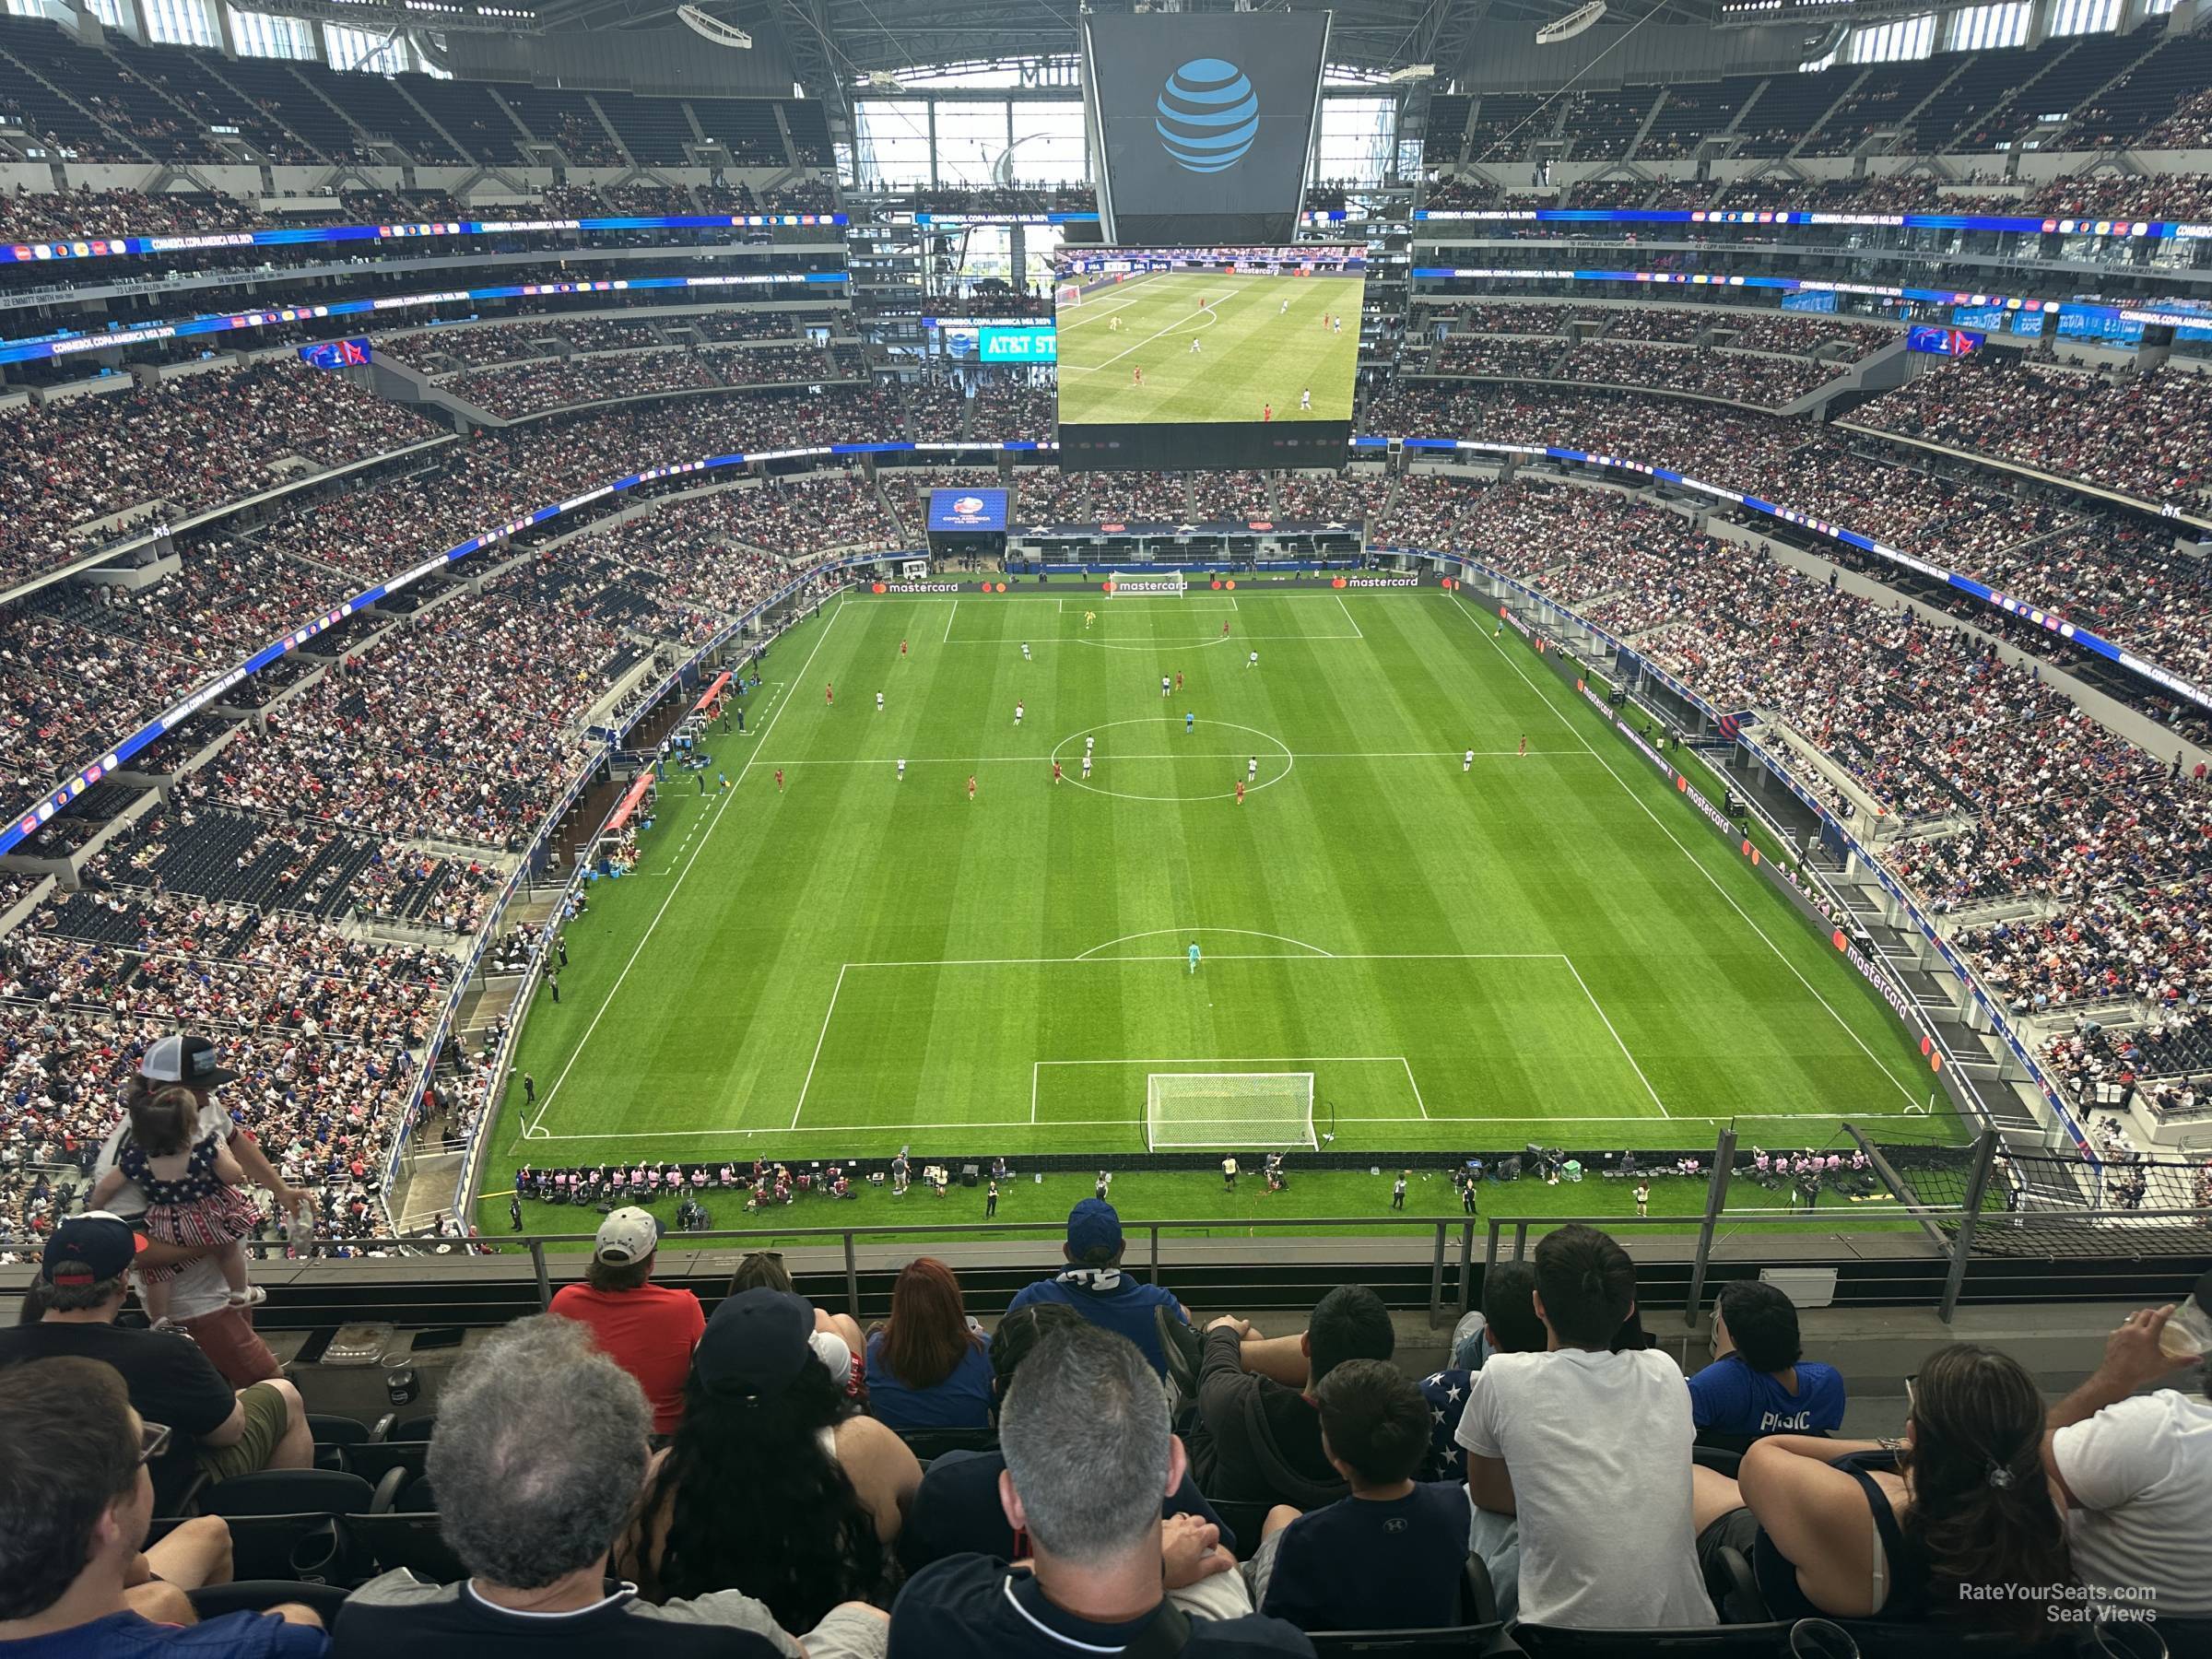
714	1030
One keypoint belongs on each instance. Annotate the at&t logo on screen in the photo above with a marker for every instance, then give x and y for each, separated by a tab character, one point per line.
1206	116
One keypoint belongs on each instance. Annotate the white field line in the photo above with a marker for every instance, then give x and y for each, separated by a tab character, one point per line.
1211	316
1130	1122
1764	936
536	1124
1097	760
1415	1086
1625	1053
1349	618
826	1014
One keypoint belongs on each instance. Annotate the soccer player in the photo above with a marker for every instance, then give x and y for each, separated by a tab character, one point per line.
779	780
1194	342
1252	768
1089	617
1643	1198
972	786
1017	712
1190	719
1266	413
1281	309
1025	650
902	648
1178	679
1252	661
1089	744
878	703
1087	767
1163	685
1136	376
829	695
1467	764
1524	745
1055	774
902	769
1225	630
1193	956
1305	398
1240	791
1336	325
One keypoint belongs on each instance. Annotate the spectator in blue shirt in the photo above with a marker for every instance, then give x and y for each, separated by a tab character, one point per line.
77	1499
1094	1285
929	1366
1757	1384
1393	1554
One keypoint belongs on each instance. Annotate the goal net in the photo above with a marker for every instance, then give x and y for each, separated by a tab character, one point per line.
1230	1110
1151	582
1067	293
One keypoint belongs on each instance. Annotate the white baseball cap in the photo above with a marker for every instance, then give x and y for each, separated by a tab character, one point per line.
628	1235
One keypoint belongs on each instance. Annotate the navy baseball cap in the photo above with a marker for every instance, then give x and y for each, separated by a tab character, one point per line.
1094	1228
89	1247
757	1342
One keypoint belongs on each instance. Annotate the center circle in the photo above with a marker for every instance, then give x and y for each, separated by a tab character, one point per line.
1075	740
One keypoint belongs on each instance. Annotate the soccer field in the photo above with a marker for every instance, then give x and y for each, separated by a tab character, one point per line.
1253	352
1548	947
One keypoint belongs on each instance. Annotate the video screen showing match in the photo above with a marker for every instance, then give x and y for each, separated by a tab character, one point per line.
1207	356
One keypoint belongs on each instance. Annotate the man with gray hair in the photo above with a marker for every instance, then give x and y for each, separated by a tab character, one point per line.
538	1460
1084	1429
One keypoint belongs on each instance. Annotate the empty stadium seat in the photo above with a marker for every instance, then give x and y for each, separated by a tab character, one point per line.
284	1523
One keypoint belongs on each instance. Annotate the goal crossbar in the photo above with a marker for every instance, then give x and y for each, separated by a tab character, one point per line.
1206	1109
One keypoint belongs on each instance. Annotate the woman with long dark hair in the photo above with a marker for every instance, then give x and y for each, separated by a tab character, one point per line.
929	1366
774	1485
1964	1527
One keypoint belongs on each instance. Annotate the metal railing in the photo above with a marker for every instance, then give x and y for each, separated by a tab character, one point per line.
852	1238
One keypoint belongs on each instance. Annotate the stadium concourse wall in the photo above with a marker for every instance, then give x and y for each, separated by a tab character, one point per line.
1944	1064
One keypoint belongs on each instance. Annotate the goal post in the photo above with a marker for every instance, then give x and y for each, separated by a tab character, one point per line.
1197	1111
1137	584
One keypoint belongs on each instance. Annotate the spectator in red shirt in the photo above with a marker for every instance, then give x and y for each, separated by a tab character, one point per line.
646	1328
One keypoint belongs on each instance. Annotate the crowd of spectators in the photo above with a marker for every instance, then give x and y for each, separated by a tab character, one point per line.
626	1472
2103	195
75	471
2143	435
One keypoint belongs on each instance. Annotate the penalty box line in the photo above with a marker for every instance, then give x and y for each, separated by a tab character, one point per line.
837	990
1036	1066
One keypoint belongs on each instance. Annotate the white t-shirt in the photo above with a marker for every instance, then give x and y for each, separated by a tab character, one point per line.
2141	1470
1598	1447
199	1287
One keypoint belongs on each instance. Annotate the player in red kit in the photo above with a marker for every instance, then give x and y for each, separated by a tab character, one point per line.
1055	772
1225	630
1240	791
830	694
1137	376
972	786
779	780
1178	679
1266	413
1524	742
902	648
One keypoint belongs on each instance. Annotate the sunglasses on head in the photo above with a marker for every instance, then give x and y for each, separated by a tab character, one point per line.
153	1440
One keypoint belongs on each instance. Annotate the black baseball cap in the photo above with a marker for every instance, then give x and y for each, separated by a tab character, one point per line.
89	1247
757	1342
188	1059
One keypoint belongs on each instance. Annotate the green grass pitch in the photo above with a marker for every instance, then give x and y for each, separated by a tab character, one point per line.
1548	947
1261	340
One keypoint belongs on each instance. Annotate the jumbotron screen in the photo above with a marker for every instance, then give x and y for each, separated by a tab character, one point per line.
1207	356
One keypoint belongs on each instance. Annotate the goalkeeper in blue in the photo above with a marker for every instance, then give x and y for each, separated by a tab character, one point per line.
1193	956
